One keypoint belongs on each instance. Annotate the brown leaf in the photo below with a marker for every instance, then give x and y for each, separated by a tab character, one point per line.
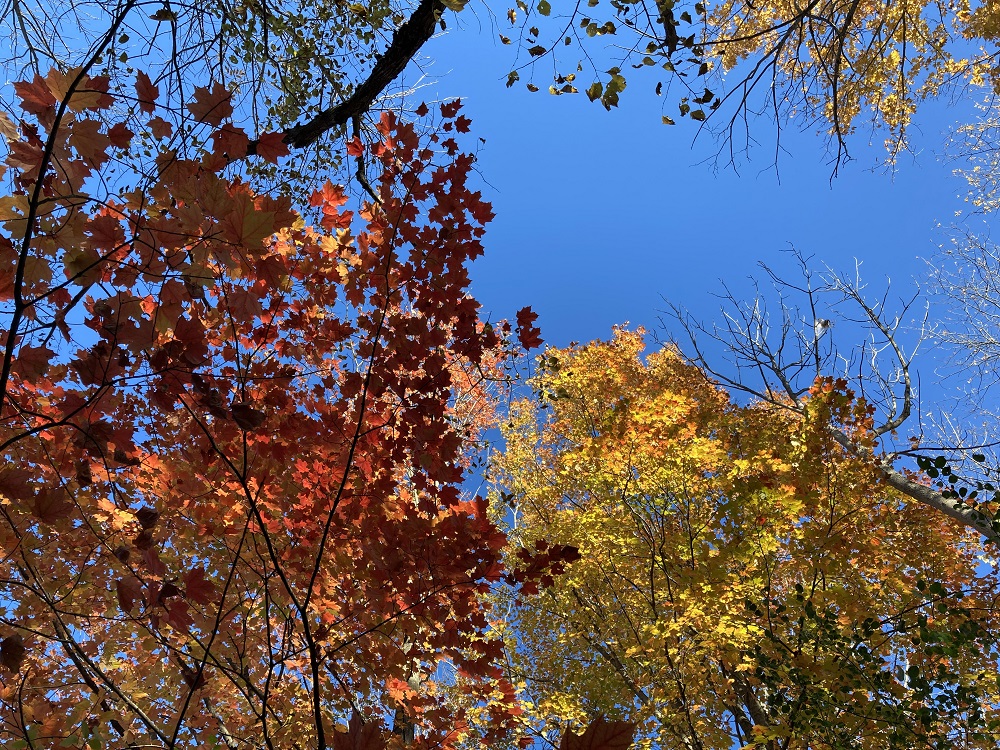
600	735
359	736
247	417
129	590
144	541
197	588
147	517
146	92
51	505
211	105
12	652
14	484
84	477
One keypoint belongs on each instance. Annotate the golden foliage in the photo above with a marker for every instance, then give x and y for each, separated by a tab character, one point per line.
743	578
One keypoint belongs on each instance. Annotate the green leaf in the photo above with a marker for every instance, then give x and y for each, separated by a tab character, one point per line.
668	121
512	78
595	90
536	50
544	7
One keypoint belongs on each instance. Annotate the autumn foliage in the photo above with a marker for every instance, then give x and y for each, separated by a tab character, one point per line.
744	579
233	441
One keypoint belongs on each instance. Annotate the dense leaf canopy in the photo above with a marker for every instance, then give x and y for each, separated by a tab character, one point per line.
743	578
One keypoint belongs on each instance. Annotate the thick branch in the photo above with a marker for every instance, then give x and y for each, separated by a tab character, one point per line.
406	42
961	512
951	507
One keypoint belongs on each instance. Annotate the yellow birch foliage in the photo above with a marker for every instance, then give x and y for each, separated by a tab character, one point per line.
742	578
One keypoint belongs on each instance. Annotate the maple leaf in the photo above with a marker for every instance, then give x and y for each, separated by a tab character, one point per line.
36	98
14	484
527	333
246	225
230	141
178	615
119	135
197	588
160	128
8	129
600	735
211	106
33	361
147	517
51	505
359	736
450	109
146	92
89	140
89	93
271	147
12	652
247	417
129	591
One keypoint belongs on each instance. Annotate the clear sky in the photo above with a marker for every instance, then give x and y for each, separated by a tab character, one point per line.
599	214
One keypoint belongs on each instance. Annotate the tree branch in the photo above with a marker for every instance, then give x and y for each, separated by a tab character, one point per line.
406	42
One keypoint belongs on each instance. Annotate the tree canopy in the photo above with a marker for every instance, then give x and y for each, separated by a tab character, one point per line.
239	405
230	506
744	579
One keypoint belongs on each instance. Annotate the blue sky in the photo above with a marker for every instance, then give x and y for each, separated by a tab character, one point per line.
599	214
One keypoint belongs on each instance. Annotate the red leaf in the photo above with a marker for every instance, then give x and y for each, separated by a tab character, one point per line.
14	484
35	97
354	147
32	362
422	110
147	517
462	124
272	146
449	110
160	128
120	136
247	417
12	652
527	333
177	615
359	736
129	590
146	92
601	735
211	106
51	505
197	588
231	141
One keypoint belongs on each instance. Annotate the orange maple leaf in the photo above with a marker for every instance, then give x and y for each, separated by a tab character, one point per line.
146	92
272	146
211	106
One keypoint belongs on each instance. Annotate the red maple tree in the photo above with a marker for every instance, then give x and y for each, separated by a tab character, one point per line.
230	508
